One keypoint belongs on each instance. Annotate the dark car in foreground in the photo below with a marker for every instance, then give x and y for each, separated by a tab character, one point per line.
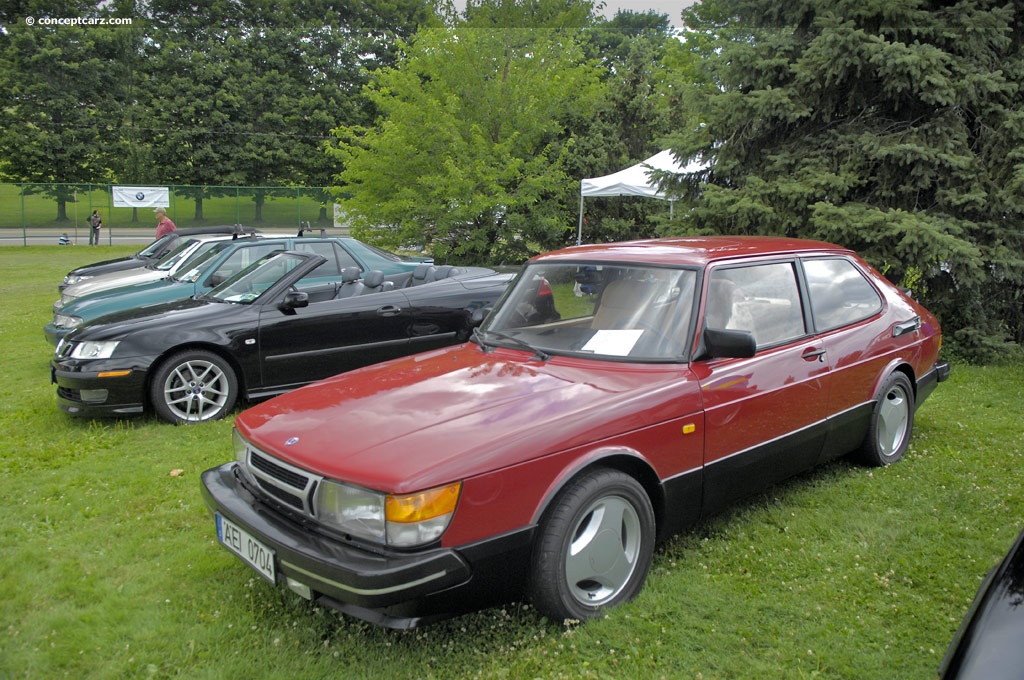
617	394
990	642
148	255
279	324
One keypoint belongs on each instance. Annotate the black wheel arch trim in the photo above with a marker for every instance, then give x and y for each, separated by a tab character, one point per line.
623	459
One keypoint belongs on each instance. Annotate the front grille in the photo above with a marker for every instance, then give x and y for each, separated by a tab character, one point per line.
69	394
281	481
263	463
282	495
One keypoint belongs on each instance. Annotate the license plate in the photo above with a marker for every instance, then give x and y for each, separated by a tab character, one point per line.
241	542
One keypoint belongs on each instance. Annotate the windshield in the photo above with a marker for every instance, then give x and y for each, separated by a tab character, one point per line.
617	312
172	258
248	284
193	267
157	246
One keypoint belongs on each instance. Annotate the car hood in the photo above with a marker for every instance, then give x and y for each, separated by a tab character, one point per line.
126	297
432	418
130	260
109	280
165	318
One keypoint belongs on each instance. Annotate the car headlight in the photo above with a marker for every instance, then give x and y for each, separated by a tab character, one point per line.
66	321
65	299
71	280
239	446
401	521
94	350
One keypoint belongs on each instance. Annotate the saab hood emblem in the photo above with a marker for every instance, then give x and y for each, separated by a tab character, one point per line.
293	440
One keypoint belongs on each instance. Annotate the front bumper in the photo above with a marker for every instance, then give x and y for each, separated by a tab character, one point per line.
85	393
385	587
55	333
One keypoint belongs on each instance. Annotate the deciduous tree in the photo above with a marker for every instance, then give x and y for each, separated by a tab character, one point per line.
469	153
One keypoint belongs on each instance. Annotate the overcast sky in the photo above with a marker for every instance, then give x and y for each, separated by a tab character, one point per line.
673	8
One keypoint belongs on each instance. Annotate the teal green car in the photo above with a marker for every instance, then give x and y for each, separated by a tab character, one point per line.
215	266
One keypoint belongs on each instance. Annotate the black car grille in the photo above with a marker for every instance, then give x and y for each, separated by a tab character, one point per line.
282	482
70	395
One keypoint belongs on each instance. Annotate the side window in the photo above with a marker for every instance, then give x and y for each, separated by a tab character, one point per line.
328	250
337	259
243	257
763	299
840	295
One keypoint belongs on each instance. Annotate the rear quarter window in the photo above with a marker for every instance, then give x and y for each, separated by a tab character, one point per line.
840	294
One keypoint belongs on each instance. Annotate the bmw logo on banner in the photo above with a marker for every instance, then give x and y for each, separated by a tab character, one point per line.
141	197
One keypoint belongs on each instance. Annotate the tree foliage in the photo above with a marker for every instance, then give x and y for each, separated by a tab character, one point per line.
894	127
58	85
208	93
468	155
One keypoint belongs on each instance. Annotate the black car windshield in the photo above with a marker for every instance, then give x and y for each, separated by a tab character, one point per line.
613	312
248	284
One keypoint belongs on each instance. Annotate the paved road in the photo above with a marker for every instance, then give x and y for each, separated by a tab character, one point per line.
48	237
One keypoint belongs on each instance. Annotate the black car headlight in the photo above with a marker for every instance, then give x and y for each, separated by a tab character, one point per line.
93	350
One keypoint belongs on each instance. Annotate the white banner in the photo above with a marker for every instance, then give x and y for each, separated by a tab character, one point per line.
141	197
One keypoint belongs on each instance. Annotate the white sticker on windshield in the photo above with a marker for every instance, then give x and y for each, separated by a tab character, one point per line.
613	343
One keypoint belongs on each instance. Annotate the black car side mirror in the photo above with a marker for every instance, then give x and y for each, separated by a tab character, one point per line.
728	344
294	299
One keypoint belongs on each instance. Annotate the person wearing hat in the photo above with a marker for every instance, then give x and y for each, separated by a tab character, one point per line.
164	225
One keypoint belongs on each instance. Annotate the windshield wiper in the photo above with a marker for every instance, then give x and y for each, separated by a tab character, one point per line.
478	337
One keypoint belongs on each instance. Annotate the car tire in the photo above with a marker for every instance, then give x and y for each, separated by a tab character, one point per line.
193	386
892	422
594	547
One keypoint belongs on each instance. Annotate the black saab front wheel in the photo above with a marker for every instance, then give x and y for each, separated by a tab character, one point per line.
193	386
594	547
892	422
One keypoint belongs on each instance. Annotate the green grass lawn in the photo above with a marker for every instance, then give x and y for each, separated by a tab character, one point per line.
109	566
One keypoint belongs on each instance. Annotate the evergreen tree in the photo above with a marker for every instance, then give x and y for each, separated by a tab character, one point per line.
894	127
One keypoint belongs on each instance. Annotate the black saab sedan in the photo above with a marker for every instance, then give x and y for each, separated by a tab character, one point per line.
274	326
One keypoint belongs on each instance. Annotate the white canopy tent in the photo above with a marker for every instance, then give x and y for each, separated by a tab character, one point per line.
634	181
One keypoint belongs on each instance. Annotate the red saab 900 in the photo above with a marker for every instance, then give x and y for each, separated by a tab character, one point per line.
615	395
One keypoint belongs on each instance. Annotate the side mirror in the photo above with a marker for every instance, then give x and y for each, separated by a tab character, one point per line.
478	316
294	299
215	280
726	344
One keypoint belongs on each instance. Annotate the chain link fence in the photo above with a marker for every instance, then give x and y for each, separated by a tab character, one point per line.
35	213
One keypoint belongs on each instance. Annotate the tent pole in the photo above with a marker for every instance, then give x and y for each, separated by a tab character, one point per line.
579	229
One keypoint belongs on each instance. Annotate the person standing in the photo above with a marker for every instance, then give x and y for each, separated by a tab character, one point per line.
164	225
95	224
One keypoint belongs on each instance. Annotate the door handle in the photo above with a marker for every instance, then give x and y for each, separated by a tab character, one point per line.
389	310
906	327
810	354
